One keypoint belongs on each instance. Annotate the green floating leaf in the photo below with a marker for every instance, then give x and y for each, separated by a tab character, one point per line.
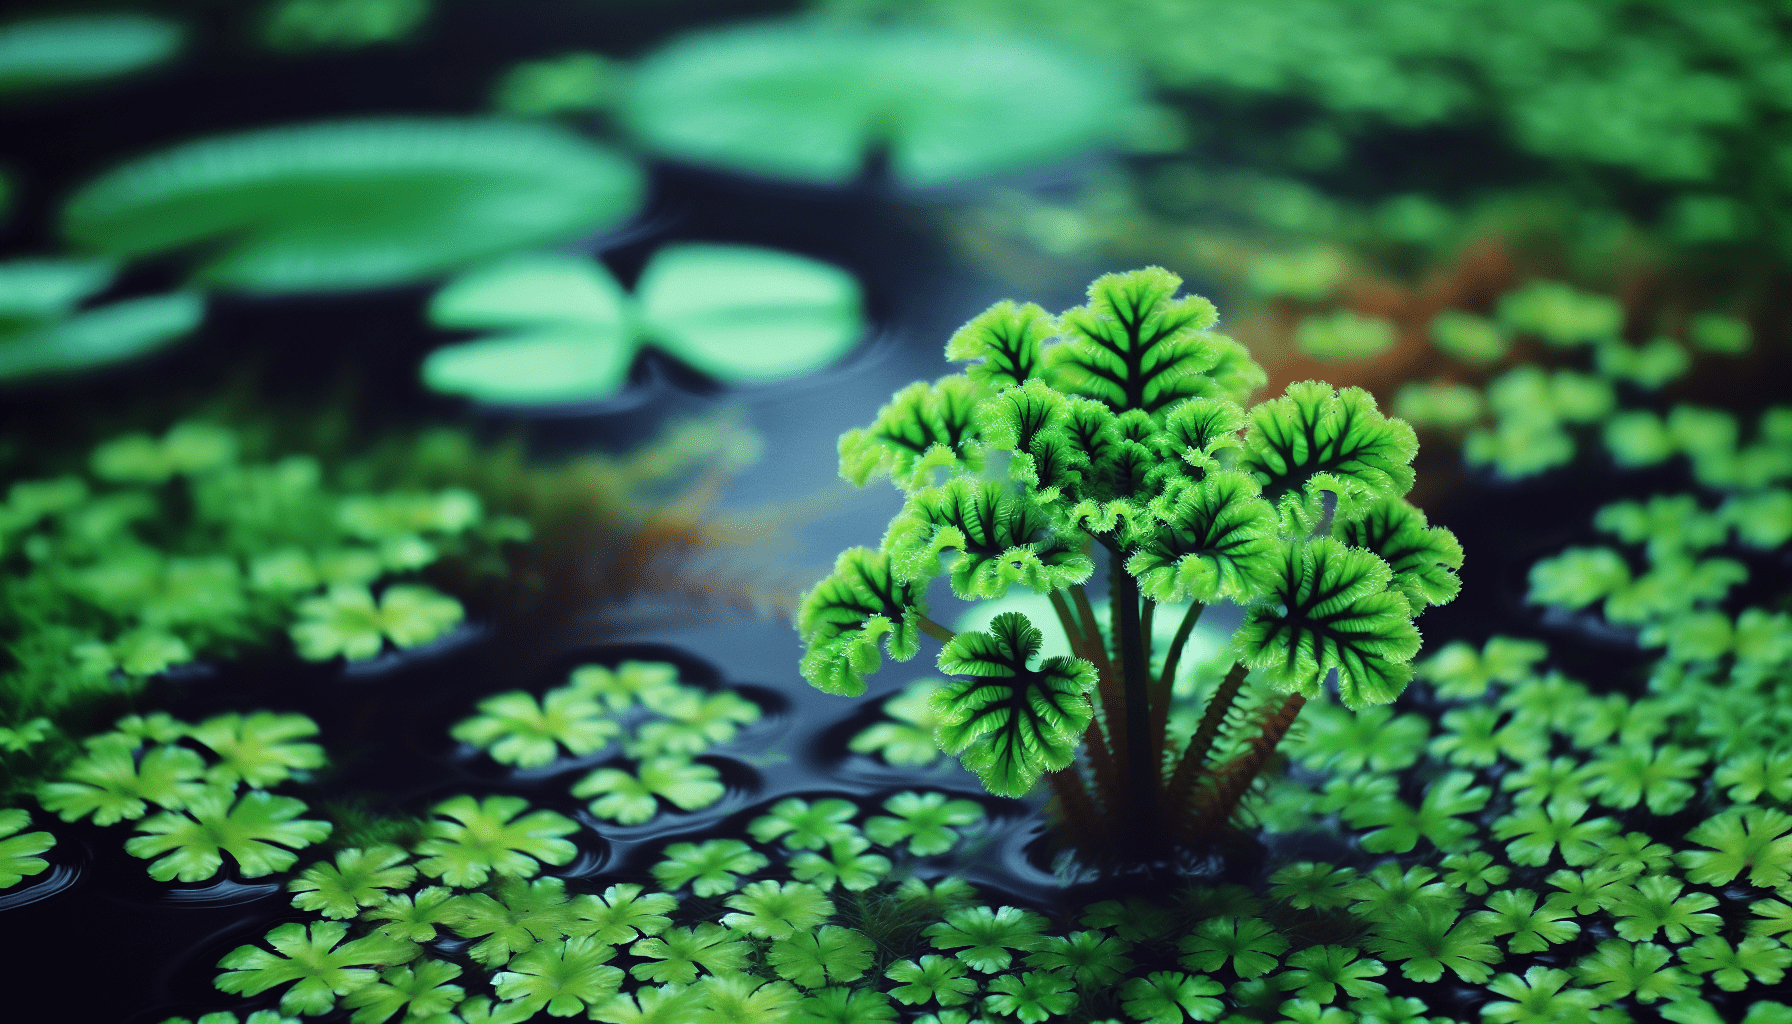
1561	315
1331	608
19	850
354	204
568	332
1009	722
45	52
1724	335
341	24
745	315
43	334
1438	404
808	100
1344	336
188	845
315	960
1470	338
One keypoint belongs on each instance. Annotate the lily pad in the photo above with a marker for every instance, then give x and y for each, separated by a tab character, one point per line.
46	52
567	332
806	101
354	204
42	332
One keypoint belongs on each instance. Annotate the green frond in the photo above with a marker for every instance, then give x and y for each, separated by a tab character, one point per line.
1008	339
1011	723
1001	538
1217	541
1329	607
1016	416
1134	346
843	618
925	427
1424	558
1197	434
1313	436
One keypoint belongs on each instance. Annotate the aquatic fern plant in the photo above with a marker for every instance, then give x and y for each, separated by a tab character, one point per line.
1118	429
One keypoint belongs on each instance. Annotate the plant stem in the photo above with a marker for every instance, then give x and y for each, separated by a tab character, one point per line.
1142	770
1194	756
1101	760
1165	683
1233	779
934	629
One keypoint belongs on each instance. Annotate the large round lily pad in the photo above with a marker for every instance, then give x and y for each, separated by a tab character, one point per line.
808	100
354	204
44	332
41	53
564	331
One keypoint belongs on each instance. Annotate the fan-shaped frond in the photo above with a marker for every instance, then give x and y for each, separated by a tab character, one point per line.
843	618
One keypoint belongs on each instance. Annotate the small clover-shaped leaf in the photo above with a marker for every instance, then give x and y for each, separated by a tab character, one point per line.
414	918
1387	892
829	954
359	878
623	913
1431	938
1619	969
1536	832
1539	996
258	749
1162	997
520	915
983	937
1330	608
346	620
562	977
515	729
676	953
1462	674
189	843
1437	817
424	992
839	1004
629	799
315	959
1730	966
1009	722
806	826
1655	904
19	850
846	864
1088	958
1320	971
770	910
1252	946
110	784
625	684
470	840
924	821
939	978
1473	872
906	742
710	868
1306	884
1751	839
1031	996
1351	741
1515	912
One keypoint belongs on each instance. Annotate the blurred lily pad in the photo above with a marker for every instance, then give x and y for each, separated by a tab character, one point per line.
42	331
806	101
354	204
45	52
566	331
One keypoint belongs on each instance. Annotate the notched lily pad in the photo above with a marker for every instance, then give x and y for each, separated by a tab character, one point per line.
806	101
42	53
566	331
43	331
354	204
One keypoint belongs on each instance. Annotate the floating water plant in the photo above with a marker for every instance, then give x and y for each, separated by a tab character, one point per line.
735	313
44	331
1121	428
43	53
353	204
809	101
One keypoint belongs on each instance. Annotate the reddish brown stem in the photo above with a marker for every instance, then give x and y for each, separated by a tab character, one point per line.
1233	779
1073	801
1163	687
1194	756
1101	761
